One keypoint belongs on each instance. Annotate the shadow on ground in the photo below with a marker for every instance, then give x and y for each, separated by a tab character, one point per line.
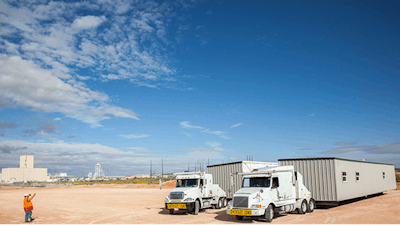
350	201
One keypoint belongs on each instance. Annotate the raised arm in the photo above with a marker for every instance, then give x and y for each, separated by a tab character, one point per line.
32	197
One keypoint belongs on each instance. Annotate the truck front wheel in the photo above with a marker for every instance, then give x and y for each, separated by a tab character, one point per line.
303	207
196	207
269	213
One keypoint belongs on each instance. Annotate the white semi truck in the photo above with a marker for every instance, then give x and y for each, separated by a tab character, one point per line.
195	191
269	191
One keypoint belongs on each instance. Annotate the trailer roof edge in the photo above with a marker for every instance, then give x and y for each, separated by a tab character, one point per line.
351	160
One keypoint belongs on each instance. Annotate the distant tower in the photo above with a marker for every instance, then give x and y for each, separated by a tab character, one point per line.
98	171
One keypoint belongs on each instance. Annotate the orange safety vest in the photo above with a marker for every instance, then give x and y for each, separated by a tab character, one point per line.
27	205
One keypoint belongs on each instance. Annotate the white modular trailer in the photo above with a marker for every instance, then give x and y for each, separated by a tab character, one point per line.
332	179
226	175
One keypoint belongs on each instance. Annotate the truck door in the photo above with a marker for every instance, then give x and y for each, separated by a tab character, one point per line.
203	188
285	188
274	193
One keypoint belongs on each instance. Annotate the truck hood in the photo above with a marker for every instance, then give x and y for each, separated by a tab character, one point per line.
250	191
185	190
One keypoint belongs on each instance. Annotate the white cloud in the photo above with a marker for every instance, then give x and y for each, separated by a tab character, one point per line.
87	22
23	84
312	115
130	136
131	44
71	155
187	125
236	125
220	134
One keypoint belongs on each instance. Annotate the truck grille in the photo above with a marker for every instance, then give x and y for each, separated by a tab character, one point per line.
241	202
176	195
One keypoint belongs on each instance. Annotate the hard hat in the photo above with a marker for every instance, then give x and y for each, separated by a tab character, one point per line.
26	195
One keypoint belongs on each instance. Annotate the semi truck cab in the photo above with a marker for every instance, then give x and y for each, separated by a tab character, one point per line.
194	191
270	190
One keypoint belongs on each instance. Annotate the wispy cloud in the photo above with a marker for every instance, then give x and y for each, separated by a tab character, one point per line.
4	124
304	149
343	143
131	136
45	45
311	115
375	149
187	125
187	134
236	125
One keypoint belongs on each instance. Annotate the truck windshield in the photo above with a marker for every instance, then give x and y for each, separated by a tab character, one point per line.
187	183
256	182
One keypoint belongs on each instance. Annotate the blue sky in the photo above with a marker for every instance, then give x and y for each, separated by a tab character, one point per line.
123	83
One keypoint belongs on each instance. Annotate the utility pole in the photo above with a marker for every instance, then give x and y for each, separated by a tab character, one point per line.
107	171
82	171
151	167
162	168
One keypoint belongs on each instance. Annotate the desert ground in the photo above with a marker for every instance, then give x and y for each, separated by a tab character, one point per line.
142	203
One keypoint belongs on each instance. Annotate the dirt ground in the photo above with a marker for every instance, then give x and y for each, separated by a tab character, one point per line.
142	203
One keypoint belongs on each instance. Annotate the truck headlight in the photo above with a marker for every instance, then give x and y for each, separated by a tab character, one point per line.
189	200
167	199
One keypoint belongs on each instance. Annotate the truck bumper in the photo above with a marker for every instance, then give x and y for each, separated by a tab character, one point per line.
254	212
189	205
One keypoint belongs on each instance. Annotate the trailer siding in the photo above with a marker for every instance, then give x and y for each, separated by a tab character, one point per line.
323	177
317	176
222	174
371	179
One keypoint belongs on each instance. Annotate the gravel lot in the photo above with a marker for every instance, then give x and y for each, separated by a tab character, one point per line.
145	204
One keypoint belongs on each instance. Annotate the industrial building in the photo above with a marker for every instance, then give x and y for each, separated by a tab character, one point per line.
333	179
226	175
25	172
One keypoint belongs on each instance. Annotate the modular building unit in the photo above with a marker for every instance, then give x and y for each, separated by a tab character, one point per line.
333	179
226	175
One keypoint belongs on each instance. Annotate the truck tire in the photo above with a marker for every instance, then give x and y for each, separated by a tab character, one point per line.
311	206
196	207
269	213
239	217
225	202
171	211
303	207
219	204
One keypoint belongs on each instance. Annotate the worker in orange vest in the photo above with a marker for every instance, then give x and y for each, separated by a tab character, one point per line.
28	207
